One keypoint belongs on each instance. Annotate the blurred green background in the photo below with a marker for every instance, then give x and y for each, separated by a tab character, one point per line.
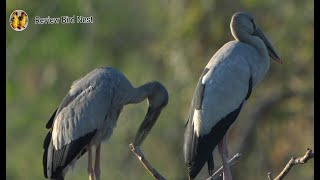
169	41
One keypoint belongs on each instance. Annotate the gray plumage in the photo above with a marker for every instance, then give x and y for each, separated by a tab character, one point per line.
89	112
223	88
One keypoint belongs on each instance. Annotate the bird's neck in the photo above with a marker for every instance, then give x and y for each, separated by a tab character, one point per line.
259	68
141	93
257	43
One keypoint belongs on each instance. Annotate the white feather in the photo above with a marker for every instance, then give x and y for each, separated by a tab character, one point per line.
197	121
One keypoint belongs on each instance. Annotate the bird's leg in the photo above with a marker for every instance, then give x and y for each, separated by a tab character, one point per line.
90	169
97	163
223	150
225	144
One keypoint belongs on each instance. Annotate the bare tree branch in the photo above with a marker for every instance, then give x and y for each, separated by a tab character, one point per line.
293	161
231	162
137	151
270	176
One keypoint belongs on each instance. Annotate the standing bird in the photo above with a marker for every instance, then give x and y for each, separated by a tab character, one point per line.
88	114
224	86
22	20
15	20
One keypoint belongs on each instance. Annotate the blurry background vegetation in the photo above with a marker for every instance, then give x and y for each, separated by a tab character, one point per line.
169	41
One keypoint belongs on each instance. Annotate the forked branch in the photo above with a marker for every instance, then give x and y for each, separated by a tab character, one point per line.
293	161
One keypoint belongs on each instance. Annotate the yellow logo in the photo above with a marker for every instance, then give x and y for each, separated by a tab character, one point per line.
18	20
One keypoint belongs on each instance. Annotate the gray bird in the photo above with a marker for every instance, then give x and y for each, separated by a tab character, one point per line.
88	114
223	88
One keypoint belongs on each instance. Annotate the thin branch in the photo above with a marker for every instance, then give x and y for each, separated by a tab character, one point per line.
270	176
137	151
231	162
293	161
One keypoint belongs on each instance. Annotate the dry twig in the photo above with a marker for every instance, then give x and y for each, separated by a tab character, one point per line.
293	161
137	151
270	176
231	162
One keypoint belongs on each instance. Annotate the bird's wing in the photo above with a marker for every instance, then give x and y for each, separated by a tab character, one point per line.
83	114
221	90
74	83
82	111
190	138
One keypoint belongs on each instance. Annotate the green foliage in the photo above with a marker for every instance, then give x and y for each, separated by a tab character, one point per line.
168	41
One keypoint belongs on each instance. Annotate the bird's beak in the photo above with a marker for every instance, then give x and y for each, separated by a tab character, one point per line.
272	53
147	124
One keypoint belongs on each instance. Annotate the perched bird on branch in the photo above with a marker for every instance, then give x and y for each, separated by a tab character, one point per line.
88	114
223	88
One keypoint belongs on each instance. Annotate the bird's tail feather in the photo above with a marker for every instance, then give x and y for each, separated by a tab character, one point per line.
210	164
59	177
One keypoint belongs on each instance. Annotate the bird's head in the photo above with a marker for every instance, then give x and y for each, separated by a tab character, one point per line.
157	100
23	14
158	97
243	24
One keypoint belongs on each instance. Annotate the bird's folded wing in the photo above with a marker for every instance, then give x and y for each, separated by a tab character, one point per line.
85	113
221	90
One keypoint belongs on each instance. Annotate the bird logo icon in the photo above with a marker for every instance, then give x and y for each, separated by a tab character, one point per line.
22	20
14	20
18	20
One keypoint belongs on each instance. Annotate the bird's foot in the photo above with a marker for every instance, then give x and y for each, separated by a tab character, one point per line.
226	168
226	172
97	173
227	176
91	174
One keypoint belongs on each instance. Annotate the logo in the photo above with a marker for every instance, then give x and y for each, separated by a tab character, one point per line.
18	20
